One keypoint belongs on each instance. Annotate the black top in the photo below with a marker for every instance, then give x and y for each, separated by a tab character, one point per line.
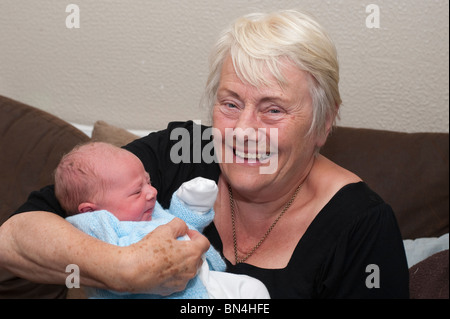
352	249
355	230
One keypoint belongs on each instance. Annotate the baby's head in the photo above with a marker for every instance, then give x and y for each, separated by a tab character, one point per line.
100	176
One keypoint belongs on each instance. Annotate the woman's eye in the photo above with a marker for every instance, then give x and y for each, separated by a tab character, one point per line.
275	110
231	105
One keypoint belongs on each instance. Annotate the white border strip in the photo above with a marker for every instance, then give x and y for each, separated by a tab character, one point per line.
87	129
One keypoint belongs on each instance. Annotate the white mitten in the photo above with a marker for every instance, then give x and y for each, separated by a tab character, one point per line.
199	194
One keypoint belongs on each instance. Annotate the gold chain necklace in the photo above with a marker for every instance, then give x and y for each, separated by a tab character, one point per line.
233	224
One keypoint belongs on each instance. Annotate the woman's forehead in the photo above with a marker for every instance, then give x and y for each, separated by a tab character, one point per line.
231	82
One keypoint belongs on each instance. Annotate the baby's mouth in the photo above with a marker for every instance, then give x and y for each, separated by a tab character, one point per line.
147	215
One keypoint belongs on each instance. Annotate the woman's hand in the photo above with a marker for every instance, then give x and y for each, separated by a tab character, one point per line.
39	245
161	264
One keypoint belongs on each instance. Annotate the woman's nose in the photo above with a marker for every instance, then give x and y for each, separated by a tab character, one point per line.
246	126
247	118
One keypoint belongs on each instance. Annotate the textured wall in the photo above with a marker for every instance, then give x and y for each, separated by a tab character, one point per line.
141	63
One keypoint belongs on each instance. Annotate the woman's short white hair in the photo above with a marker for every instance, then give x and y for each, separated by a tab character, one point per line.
258	41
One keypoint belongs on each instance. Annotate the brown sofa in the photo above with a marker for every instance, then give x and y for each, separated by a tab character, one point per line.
410	171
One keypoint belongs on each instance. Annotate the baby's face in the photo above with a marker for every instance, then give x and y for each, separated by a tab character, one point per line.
129	195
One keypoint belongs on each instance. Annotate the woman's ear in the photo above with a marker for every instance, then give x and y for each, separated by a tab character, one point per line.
328	126
87	207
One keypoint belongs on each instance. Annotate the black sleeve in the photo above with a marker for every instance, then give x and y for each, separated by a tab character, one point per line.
171	156
369	260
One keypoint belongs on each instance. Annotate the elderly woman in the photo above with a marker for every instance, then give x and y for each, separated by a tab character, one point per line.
305	227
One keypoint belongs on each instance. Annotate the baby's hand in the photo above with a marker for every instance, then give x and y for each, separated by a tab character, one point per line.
198	193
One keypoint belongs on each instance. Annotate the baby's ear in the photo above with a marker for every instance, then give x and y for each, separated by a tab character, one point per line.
86	207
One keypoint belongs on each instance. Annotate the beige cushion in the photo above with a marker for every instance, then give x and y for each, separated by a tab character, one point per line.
104	132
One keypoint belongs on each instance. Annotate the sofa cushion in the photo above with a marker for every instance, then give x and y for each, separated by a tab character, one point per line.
105	132
32	143
410	171
421	248
429	278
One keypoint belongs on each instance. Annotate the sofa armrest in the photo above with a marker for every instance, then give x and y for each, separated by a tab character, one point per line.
32	143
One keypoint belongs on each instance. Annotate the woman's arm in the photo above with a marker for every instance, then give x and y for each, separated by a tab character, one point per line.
159	263
38	245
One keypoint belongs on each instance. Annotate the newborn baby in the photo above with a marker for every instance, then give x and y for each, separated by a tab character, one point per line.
118	205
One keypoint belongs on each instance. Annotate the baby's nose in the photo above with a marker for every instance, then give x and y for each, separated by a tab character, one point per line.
151	192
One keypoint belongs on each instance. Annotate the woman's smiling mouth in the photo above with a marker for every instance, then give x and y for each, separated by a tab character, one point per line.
252	156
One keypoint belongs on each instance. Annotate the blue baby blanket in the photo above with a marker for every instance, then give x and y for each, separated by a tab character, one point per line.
105	226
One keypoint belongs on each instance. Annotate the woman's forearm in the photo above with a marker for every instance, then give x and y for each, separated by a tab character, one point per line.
38	246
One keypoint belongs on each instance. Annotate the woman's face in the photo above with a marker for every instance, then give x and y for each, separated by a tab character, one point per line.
283	116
